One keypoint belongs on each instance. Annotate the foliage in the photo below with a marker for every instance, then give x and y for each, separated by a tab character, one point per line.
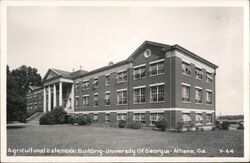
18	81
162	124
121	123
81	120
59	115
241	126
71	119
47	119
179	126
225	125
135	125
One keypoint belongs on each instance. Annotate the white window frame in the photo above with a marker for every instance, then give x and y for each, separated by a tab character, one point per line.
139	70
87	97
207	118
77	101
198	71
211	101
96	95
157	92
209	76
182	98
84	85
118	98
108	92
157	62
120	77
157	117
187	67
140	95
107	78
196	101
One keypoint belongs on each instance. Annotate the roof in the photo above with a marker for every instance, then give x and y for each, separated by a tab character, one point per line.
34	88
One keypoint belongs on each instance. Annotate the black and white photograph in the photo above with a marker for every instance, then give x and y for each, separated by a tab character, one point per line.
124	81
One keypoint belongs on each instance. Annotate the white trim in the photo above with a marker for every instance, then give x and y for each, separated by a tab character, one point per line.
152	110
87	95
209	90
107	92
83	81
138	87
156	61
96	93
119	90
137	66
77	97
156	84
55	71
197	87
186	84
121	71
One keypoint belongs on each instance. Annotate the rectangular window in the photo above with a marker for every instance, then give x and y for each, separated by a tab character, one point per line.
208	97
95	83
139	117
85	101
77	86
77	102
185	93
107	98
186	68
198	73
139	72
198	119
157	93
122	116
209	77
121	77
85	85
198	95
107	79
186	118
209	118
139	95
156	68
95	118
154	117
122	97
107	120
95	100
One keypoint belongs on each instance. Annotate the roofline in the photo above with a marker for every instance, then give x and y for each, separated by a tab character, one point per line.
176	46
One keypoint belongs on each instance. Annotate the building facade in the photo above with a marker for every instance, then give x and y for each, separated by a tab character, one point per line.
156	81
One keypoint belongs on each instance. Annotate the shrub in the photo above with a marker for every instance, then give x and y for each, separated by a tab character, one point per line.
179	126
81	120
135	125
47	119
90	119
60	115
240	127
121	123
218	125
162	124
71	119
225	125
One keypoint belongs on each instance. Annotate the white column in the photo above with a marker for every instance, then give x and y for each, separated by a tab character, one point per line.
49	99
60	93
44	99
72	97
54	96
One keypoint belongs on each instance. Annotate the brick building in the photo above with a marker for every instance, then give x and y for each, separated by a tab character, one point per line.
156	81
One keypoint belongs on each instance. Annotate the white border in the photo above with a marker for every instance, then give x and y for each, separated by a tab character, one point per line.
179	3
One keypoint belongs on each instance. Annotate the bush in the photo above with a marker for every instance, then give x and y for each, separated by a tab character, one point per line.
60	115
71	119
179	126
161	124
47	119
121	123
240	127
225	125
135	125
89	119
81	120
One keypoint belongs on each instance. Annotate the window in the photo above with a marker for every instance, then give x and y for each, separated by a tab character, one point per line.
208	97
198	95
85	101
121	77
85	85
209	118
95	83
139	95
198	119
107	98
186	118
77	102
122	116
156	68
95	100
185	93
139	72
186	68
95	118
155	117
107	80
209	78
122	97
198	73
157	93
107	120
77	86
139	117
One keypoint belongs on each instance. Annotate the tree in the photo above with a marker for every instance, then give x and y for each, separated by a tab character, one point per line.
18	82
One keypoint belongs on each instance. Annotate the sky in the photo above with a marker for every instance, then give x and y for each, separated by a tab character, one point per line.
90	37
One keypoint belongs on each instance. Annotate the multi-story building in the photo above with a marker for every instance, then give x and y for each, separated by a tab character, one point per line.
156	81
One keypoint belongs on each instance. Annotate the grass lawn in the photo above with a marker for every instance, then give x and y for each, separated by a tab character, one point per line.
95	141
